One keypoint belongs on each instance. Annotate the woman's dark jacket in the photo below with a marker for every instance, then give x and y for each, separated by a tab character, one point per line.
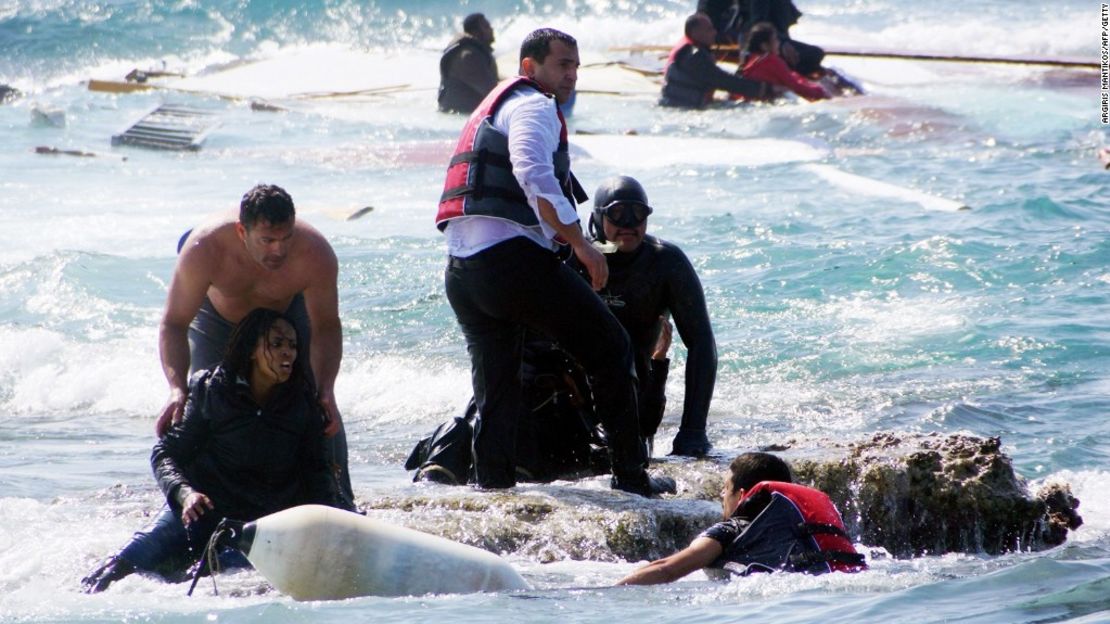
250	460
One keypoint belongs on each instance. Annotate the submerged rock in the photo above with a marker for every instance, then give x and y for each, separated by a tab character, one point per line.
552	523
909	494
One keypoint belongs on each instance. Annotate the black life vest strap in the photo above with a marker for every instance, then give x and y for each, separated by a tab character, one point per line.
820	528
482	157
807	559
479	159
503	193
577	193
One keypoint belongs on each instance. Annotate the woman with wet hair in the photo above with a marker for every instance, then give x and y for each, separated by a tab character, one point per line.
764	62
251	443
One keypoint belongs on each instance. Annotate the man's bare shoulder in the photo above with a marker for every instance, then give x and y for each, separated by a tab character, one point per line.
315	246
209	241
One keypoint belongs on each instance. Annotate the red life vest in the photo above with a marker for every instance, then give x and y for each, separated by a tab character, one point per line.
682	43
798	529
480	177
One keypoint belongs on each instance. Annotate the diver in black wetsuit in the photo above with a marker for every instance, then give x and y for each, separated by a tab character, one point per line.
650	279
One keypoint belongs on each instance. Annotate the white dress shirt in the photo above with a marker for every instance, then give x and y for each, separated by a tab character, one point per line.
530	120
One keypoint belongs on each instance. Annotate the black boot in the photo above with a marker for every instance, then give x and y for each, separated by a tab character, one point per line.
109	572
645	485
437	474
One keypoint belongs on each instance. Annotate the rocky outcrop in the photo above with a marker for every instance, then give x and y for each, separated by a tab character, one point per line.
909	494
915	495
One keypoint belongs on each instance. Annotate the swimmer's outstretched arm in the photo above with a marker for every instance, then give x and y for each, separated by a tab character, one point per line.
699	554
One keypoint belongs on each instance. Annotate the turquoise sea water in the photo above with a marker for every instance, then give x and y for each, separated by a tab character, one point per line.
838	312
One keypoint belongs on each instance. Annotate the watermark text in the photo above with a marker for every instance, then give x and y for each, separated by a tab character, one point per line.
1104	64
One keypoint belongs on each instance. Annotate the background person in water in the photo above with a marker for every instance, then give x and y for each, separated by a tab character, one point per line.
468	70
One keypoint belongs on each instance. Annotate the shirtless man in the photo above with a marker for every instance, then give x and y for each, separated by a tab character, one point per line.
226	268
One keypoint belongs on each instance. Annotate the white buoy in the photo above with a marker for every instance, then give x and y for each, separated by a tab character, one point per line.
313	552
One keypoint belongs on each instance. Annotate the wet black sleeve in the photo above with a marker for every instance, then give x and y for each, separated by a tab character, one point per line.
725	533
321	485
782	14
686	302
702	64
182	443
653	396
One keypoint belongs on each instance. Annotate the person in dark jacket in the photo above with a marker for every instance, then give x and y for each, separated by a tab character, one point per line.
558	434
726	18
770	524
467	69
264	258
692	74
251	443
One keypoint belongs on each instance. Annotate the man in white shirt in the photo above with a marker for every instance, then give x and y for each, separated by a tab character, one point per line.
507	207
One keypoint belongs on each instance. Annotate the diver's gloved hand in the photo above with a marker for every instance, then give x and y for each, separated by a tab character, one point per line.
108	572
691	443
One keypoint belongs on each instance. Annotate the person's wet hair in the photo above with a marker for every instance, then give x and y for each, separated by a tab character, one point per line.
759	36
693	21
267	202
537	45
751	468
254	327
472	22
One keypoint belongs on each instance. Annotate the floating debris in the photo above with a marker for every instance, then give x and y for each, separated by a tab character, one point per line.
43	149
8	93
169	127
42	117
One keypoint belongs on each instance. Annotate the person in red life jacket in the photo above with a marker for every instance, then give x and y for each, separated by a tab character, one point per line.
507	207
764	62
467	69
771	524
692	74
